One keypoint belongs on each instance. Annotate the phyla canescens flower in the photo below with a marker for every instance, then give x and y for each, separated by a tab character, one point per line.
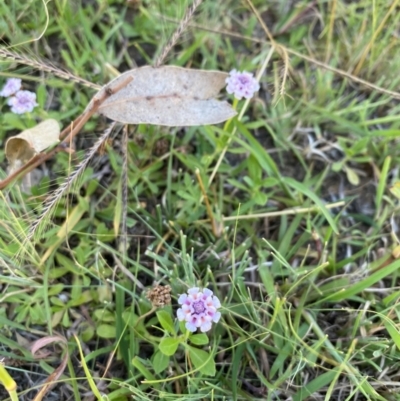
199	309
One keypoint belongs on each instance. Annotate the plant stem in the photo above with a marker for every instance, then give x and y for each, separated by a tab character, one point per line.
8	382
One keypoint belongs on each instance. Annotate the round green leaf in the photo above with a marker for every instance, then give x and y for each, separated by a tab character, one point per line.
199	339
160	362
169	345
166	321
106	331
202	360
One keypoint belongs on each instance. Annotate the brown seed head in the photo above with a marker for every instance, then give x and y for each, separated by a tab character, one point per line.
159	295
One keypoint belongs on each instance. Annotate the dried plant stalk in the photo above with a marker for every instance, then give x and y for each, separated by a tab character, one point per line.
124	230
178	32
59	192
5	53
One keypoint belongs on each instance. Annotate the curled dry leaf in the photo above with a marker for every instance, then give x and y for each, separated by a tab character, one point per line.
22	147
36	346
169	95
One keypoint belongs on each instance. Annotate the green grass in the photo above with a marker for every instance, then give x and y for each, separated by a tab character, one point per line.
300	237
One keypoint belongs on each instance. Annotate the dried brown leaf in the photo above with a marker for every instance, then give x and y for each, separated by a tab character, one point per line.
36	346
21	148
168	95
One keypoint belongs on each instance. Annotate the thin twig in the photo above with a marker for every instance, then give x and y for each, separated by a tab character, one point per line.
178	32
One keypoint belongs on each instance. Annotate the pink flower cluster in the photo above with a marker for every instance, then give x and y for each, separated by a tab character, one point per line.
199	309
20	101
242	84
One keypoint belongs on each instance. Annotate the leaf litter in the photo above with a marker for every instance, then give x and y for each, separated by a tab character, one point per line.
169	95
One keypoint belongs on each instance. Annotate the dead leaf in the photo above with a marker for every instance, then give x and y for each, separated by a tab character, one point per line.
169	95
21	148
51	380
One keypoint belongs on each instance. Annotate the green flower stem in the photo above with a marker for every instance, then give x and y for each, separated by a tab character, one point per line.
239	117
8	382
235	103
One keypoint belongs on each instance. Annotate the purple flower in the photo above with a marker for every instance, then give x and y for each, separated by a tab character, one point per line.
242	84
12	86
199	309
22	102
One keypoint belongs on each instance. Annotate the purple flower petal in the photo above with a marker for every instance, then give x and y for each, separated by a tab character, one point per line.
216	303
22	102
194	290
182	299
199	309
205	327
191	327
12	86
180	314
241	84
216	317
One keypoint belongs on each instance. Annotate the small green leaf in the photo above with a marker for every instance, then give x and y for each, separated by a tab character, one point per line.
106	331
160	362
255	171
199	339
337	166
140	365
11	120
169	345
87	332
166	321
182	327
202	360
352	176
260	198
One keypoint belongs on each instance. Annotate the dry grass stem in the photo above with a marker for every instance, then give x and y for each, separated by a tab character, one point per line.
280	49
208	206
40	66
286	212
374	36
183	24
311	60
124	183
60	191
